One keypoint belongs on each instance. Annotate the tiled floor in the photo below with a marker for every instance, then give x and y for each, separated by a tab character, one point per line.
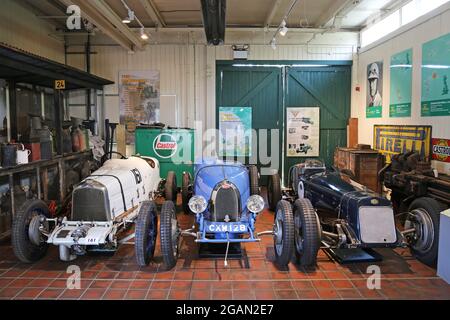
255	277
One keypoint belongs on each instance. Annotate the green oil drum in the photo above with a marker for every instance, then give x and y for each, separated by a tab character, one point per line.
174	149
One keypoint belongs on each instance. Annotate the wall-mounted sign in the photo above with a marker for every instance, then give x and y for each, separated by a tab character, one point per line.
391	140
139	99
235	126
303	132
441	150
435	77
60	84
401	84
374	105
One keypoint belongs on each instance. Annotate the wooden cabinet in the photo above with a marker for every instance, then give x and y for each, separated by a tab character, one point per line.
364	164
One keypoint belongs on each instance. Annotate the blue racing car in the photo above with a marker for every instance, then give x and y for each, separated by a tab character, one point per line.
224	196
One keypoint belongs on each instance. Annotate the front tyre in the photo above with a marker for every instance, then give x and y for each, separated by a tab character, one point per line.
274	191
170	234
307	233
254	180
28	245
424	218
170	189
283	230
146	231
185	193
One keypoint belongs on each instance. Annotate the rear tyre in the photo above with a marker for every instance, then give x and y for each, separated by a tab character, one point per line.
170	234
185	193
274	191
25	231
424	217
254	180
170	190
146	231
283	230
307	233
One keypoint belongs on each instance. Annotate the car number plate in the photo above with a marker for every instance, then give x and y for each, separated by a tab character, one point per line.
218	227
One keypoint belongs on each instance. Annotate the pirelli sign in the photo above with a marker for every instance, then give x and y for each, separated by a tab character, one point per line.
441	150
390	140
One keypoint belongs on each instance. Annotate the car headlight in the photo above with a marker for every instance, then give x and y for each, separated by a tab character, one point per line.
197	204
255	204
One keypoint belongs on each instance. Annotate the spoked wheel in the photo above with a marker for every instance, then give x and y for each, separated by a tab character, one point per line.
185	192
27	238
424	218
283	231
254	180
146	232
274	191
170	234
307	233
170	190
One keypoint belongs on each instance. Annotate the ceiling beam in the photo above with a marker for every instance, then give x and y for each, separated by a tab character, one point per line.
336	9
273	11
112	17
89	13
153	12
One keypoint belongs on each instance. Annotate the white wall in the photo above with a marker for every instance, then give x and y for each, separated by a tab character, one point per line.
19	27
425	29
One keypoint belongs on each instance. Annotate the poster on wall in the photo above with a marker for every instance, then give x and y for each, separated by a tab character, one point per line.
235	126
435	77
303	132
390	140
401	84
374	105
441	149
139	93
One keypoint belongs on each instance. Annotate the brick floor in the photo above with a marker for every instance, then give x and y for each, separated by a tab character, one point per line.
255	276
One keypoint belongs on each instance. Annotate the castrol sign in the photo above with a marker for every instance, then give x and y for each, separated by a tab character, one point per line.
165	145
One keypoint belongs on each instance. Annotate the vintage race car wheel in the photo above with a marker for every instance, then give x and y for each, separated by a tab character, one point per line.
424	217
146	231
274	191
307	233
283	231
185	193
170	234
28	244
170	189
254	180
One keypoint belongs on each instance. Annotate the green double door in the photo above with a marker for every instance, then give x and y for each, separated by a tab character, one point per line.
270	87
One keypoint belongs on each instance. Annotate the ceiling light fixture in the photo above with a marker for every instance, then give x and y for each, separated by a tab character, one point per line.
284	29
129	18
144	36
273	44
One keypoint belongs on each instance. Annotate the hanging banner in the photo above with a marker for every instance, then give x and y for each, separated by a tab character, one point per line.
401	84
435	77
374	105
139	99
391	140
235	126
441	150
303	132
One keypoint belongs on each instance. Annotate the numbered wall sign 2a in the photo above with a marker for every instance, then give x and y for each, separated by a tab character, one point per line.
60	84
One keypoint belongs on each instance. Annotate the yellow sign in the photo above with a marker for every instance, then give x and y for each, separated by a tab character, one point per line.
392	140
60	84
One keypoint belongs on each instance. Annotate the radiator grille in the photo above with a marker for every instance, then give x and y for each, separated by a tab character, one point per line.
226	202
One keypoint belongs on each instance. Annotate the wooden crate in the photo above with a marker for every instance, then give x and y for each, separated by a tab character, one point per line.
364	164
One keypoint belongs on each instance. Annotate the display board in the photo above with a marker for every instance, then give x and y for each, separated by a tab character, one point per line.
303	132
139	93
374	99
401	84
235	126
441	150
390	140
435	77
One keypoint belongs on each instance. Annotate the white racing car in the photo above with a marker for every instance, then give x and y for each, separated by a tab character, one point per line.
108	202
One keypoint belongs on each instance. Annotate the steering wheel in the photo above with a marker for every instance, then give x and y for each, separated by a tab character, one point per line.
105	156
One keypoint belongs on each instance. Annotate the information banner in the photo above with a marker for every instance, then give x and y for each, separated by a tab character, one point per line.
435	77
139	93
401	84
441	150
303	132
390	140
374	105
235	126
